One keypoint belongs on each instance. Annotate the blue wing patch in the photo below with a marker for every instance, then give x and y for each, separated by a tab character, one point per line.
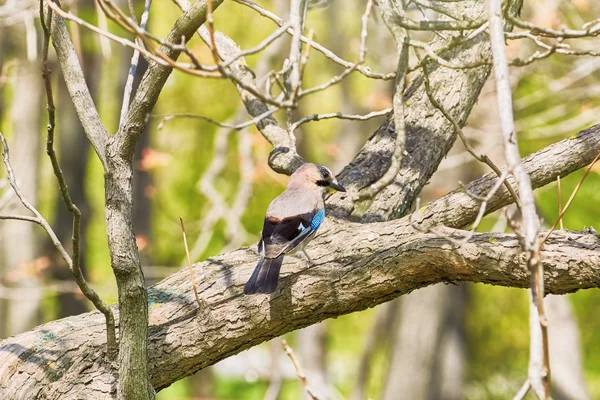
317	219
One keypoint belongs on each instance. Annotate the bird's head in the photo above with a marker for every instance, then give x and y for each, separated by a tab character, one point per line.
316	174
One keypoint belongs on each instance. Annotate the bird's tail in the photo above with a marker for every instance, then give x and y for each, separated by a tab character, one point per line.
265	277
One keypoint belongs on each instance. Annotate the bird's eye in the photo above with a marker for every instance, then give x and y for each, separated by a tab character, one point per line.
325	174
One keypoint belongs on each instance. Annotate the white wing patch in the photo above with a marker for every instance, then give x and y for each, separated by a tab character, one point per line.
301	227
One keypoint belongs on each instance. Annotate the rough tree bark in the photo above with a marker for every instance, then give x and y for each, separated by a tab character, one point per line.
358	266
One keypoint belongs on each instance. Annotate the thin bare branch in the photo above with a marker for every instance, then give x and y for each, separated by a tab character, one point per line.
290	353
75	264
159	57
260	47
539	366
284	157
590	30
339	115
187	253
135	58
77	87
564	210
21	218
236	127
366	71
559	195
361	56
523	391
479	157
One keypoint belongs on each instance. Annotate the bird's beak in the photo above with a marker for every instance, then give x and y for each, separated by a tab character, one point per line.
335	185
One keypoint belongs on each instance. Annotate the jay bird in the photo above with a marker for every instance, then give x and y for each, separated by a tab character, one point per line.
291	222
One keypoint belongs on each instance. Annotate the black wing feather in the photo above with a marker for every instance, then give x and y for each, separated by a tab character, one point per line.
285	230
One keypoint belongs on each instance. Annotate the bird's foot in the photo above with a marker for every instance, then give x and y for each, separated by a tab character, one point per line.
311	263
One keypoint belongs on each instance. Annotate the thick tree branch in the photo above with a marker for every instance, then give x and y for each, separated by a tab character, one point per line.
457	209
358	265
429	135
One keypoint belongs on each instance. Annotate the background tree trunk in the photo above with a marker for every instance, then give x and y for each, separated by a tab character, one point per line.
19	241
566	361
428	357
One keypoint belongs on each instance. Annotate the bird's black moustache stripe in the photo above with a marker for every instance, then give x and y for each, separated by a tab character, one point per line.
323	183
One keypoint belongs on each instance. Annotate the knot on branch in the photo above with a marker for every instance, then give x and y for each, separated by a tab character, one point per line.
284	160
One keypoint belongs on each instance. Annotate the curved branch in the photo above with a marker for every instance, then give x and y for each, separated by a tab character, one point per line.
359	266
457	209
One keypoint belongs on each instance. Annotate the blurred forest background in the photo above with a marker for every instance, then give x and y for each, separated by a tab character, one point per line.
444	342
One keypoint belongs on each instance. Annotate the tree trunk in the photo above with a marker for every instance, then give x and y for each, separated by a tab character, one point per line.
125	261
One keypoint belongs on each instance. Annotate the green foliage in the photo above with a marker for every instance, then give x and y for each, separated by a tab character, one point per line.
497	339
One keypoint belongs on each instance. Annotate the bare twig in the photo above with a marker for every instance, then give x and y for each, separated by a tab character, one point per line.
589	30
236	127
564	210
75	260
483	158
326	52
562	228
484	202
21	218
135	58
210	22
261	46
361	55
73	263
523	391
187	253
255	102
539	367
339	115
288	350
158	57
